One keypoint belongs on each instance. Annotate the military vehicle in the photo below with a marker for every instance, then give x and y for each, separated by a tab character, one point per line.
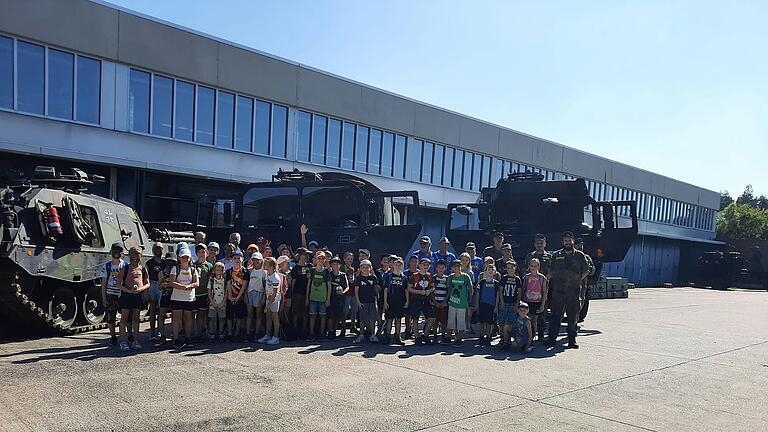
723	270
54	240
524	204
342	211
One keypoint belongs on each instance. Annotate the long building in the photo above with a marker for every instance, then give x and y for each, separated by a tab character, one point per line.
168	114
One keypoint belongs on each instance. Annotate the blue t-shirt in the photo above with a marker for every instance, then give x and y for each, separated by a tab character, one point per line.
488	291
477	266
421	254
448	258
520	329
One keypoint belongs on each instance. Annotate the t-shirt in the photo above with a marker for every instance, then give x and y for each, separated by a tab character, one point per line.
204	271
437	256
155	268
458	290
350	272
184	277
256	280
477	266
300	273
509	288
366	287
534	288
238	280
420	282
318	289
441	287
492	252
218	289
339	283
111	272
488	291
396	289
520	328
134	276
273	286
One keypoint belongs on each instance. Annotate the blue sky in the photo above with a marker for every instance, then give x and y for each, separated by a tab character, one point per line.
678	88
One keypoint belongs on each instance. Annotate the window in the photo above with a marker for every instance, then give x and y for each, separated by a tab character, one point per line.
6	72
30	77
374	152
270	206
448	167
138	101
398	162
476	170
319	124
348	146
361	149
332	207
427	156
485	178
467	177
413	159
279	131
225	119
185	111
88	90
387	152
333	149
261	130
303	130
243	123
458	164
61	84
204	119
162	105
437	165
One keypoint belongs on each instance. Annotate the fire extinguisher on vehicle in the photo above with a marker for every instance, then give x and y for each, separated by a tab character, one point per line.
52	219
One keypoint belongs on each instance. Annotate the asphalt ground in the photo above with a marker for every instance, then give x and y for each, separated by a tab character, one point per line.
679	359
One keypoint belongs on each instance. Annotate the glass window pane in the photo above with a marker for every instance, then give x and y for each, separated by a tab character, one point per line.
486	171
261	132
413	159
279	131
361	149
348	146
398	170
31	77
448	166
225	119
204	117
162	105
387	152
88	90
138	101
458	164
243	123
476	172
185	110
319	124
426	162
437	165
6	72
333	152
303	132
374	152
61	84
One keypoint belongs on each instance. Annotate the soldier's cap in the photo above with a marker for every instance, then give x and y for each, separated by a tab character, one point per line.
261	240
578	241
498	234
364	251
302	250
441	262
567	234
251	248
455	263
117	246
238	253
336	259
425	239
200	246
213	245
512	262
170	256
445	240
313	242
185	253
282	259
425	260
257	256
470	245
540	236
506	246
365	262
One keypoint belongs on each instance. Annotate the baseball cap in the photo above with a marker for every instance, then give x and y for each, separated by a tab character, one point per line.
506	246
336	259
213	245
396	259
117	246
200	246
365	251
313	242
238	253
257	256
281	259
578	241
470	245
302	250
444	240
425	239
426	260
185	252
567	234
365	262
440	262
252	247
261	240
540	237
498	234
181	245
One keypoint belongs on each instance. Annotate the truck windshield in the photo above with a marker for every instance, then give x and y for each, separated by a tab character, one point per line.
270	206
332	206
539	213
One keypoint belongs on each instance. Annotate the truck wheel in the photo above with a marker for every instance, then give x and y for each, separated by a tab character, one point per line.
93	312
62	307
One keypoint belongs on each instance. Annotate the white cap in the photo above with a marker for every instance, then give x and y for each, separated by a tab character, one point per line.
257	256
365	262
281	259
185	252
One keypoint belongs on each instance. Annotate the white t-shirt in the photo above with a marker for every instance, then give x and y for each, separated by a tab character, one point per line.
255	283
112	272
185	278
273	285
219	291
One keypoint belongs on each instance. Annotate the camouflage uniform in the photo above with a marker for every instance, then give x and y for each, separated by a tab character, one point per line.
565	283
585	288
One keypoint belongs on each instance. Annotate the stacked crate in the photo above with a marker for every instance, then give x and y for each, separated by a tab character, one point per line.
610	288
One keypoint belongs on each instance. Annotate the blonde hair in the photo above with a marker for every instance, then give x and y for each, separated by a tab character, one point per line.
221	265
271	262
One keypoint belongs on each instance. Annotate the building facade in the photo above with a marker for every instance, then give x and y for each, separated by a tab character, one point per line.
168	114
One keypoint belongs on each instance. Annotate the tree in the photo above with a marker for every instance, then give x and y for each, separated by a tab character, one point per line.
725	199
762	202
742	221
747	197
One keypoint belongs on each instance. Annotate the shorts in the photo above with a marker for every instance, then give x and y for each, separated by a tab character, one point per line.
441	314
254	298
298	307
219	312
317	308
154	292
368	312
457	319
533	308
183	305
350	306
396	310
419	306
110	308
131	301
473	302
236	310
507	315
337	309
201	302
165	301
275	305
486	313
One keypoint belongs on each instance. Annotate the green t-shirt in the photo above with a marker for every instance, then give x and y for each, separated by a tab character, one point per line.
458	290
318	285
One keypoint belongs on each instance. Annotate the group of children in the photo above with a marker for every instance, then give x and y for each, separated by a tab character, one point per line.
313	295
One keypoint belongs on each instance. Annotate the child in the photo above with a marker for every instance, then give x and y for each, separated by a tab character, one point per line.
488	288
217	302
133	281
155	268
382	273
169	262
395	301
275	288
109	291
466	268
366	292
184	280
440	300
201	295
254	299
339	290
236	282
522	334
318	296
420	288
413	268
534	292
298	279
508	297
350	304
459	292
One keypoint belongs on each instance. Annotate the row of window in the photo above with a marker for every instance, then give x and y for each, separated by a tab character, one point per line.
45	81
181	110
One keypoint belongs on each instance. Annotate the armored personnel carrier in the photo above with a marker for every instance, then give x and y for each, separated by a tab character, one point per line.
524	204
55	237
723	270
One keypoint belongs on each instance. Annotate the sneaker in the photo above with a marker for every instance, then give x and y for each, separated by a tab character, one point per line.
264	339
113	341
160	341
343	332
274	340
178	344
211	338
373	339
222	338
419	340
136	345
386	339
124	346
359	339
550	342
572	345
398	340
458	342
445	341
529	349
355	330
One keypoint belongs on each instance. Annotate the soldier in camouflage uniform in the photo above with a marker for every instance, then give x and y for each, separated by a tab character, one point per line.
544	257
568	268
579	245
